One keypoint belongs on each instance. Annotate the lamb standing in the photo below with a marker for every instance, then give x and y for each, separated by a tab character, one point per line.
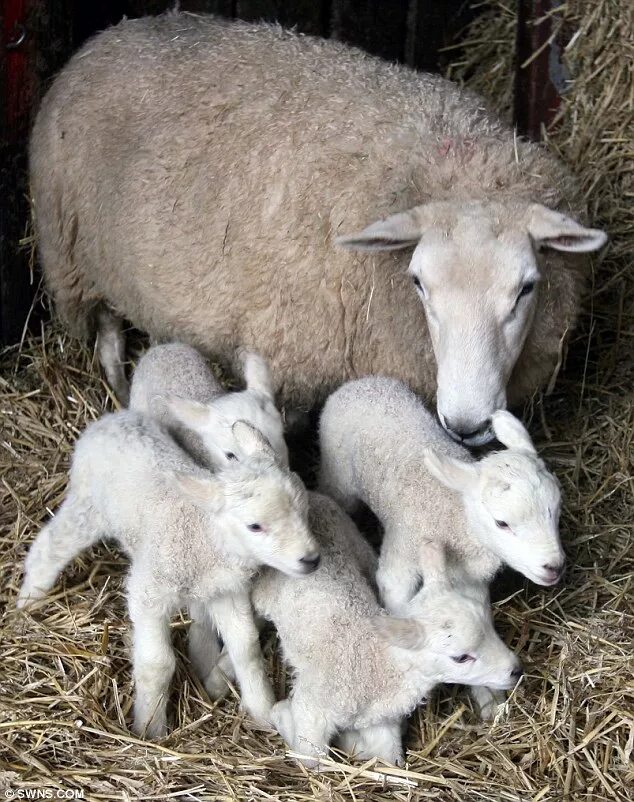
174	384
358	671
381	446
204	209
192	538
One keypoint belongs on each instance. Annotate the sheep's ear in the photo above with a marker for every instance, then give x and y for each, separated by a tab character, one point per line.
257	374
401	230
511	433
406	633
203	490
551	229
250	440
456	474
192	414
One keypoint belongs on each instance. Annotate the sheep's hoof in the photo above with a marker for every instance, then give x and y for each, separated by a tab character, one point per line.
153	730
216	684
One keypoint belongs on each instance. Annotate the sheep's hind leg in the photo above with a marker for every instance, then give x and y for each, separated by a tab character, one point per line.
397	577
74	528
111	352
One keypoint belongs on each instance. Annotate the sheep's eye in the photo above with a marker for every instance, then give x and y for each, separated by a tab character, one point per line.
417	283
254	528
501	525
230	455
526	290
464	658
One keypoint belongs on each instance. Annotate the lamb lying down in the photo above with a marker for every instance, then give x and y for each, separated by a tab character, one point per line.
174	384
357	670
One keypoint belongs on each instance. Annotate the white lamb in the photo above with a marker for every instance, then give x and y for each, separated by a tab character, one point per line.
174	384
193	538
358	671
379	445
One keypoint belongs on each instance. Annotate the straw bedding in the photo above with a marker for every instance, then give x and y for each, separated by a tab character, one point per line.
568	732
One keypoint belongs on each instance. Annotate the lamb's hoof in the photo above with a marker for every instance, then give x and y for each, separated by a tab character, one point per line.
216	684
28	596
493	709
153	730
261	714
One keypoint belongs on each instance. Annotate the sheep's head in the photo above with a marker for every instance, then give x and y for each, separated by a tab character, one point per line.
260	503
476	270
448	633
512	501
213	422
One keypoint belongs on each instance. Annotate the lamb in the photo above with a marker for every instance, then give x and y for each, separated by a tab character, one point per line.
174	383
193	538
379	445
205	210
358	671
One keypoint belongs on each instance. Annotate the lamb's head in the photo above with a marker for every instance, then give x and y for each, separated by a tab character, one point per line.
448	635
511	500
259	504
256	404
476	269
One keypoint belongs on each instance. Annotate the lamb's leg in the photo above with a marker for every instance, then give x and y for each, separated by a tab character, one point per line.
398	576
203	644
111	351
210	663
154	662
305	728
488	700
234	619
75	527
382	741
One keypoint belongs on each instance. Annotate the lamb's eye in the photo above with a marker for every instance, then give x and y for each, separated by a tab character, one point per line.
464	658
254	528
501	525
417	283
230	455
526	290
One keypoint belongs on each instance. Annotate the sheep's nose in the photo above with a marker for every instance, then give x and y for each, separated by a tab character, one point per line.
463	430
554	572
310	563
517	673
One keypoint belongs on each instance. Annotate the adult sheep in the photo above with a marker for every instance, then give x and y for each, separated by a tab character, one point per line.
192	175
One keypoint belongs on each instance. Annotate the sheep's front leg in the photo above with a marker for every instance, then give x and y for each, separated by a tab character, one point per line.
305	728
398	575
154	663
234	619
488	701
383	741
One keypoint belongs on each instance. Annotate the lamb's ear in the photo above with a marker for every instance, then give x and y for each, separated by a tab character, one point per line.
551	229
401	230
456	474
510	432
205	491
406	633
257	374
250	440
192	414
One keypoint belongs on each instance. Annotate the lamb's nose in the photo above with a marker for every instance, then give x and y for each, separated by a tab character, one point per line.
554	572
310	563
517	673
464	431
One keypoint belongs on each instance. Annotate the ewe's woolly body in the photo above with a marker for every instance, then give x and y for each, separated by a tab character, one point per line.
227	156
373	433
